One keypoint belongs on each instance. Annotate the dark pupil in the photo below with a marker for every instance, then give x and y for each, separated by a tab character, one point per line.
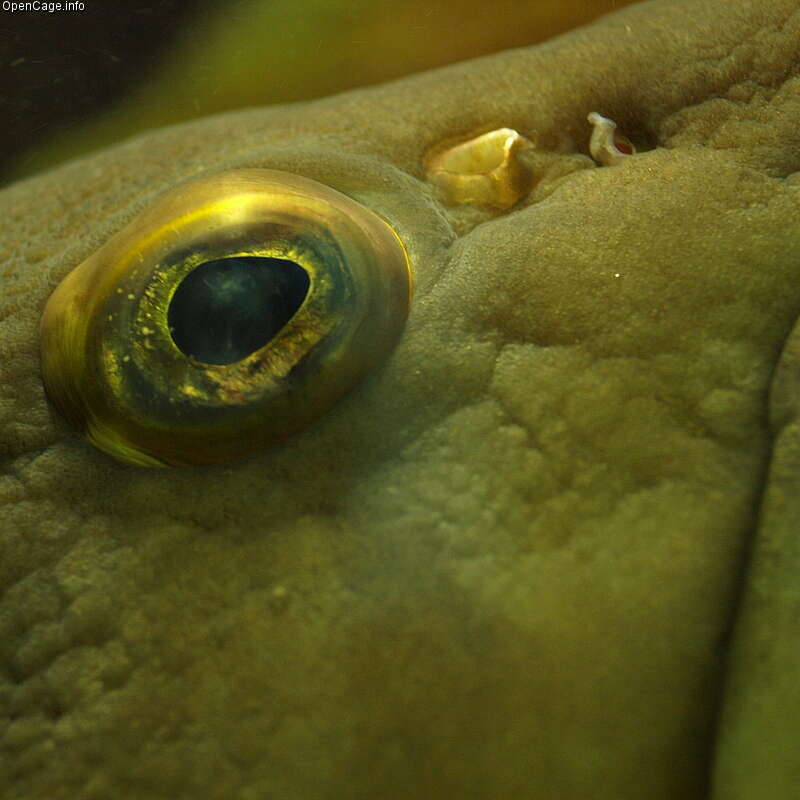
224	310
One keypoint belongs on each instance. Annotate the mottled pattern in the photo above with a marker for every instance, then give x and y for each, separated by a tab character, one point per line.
507	564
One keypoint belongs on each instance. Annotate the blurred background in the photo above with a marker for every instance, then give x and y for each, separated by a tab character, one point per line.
73	81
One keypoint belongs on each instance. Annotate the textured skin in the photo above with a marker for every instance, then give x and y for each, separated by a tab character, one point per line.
507	564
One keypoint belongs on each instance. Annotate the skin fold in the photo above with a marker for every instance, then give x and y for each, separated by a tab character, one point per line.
509	563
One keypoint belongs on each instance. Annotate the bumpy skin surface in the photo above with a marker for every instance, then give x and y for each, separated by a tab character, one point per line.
507	564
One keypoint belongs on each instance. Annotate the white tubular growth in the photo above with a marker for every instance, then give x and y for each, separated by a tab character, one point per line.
606	145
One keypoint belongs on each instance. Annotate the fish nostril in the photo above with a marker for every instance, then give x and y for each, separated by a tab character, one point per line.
607	145
485	170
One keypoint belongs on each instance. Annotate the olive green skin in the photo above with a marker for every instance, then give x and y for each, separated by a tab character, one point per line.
510	561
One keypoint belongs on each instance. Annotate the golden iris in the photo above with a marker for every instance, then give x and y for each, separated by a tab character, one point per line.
229	315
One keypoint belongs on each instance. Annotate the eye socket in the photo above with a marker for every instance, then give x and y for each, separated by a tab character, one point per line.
229	315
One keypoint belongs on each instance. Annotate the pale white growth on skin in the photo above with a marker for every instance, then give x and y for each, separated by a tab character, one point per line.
606	145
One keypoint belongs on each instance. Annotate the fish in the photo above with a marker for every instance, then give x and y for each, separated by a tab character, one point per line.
544	549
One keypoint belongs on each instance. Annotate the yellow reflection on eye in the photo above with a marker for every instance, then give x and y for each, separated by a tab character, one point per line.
229	315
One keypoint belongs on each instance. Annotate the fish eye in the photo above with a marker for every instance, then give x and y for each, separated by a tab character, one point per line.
244	302
229	315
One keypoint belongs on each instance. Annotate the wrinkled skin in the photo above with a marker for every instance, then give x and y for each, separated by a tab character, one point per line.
509	563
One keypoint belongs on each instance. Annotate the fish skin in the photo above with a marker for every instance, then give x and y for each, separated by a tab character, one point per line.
508	563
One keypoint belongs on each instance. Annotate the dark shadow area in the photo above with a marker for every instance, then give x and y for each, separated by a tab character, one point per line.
57	68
